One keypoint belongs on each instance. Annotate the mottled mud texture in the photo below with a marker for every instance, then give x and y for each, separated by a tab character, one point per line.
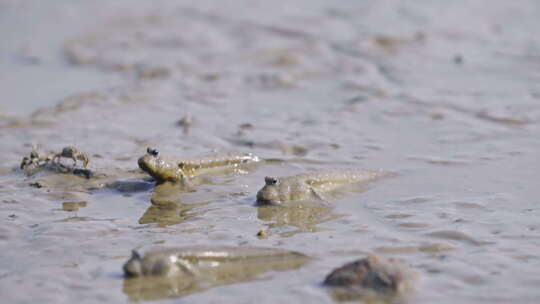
373	273
164	169
312	185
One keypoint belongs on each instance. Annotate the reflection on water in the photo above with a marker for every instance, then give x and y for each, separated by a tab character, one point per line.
131	186
365	296
73	206
170	214
303	215
209	275
173	203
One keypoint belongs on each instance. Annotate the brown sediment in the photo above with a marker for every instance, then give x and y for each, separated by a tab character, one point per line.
434	247
457	236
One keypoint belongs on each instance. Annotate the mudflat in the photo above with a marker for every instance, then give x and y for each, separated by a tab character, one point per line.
444	94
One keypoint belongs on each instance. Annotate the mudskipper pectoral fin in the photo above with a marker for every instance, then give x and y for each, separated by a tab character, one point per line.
187	267
318	195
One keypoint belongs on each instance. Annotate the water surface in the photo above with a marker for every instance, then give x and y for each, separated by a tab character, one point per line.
446	95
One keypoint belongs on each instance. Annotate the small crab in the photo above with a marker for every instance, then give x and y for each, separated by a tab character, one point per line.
73	153
35	160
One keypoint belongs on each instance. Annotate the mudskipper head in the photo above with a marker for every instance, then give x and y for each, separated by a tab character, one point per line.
271	181
161	169
152	151
149	162
270	192
133	267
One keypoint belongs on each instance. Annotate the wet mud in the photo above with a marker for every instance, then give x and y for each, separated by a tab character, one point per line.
446	95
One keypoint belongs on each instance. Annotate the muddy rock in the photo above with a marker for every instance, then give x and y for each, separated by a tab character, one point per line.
387	276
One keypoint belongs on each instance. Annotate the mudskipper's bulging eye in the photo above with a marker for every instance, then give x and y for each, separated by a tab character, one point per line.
152	151
270	180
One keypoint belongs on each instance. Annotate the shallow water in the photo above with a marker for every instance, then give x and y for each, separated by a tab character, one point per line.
445	95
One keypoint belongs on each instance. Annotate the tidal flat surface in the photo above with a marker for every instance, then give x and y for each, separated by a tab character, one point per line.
444	94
